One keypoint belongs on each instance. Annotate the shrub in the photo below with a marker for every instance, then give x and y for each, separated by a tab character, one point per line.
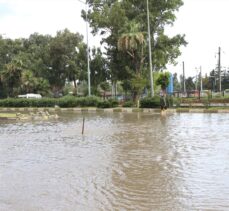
104	104
150	102
170	101
128	104
113	102
89	101
66	102
176	102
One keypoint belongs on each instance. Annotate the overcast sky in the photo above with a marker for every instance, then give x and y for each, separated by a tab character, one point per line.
203	21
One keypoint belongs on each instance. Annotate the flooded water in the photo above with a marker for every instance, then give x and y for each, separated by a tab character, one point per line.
122	162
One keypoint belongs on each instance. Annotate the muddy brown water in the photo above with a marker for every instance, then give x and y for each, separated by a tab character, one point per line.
123	162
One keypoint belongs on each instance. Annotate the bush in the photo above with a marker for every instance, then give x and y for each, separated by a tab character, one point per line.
67	102
150	102
104	104
89	101
64	102
176	102
203	100
113	102
170	101
71	101
128	104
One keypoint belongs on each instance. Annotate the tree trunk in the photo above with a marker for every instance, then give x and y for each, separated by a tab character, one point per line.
74	81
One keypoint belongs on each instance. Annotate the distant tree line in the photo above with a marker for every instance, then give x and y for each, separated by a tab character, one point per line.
46	65
209	82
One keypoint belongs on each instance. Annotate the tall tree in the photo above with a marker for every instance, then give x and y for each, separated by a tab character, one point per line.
99	70
62	58
108	17
133	43
11	75
190	85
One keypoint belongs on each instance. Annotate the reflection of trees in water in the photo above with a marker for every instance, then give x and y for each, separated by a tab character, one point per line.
143	177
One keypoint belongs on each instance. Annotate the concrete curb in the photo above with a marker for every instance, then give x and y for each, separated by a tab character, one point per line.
115	110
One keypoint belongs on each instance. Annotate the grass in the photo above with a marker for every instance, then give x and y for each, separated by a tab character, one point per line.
8	115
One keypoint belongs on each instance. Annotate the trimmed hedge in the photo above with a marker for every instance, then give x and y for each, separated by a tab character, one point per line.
128	104
111	103
64	102
150	102
154	102
104	104
204	100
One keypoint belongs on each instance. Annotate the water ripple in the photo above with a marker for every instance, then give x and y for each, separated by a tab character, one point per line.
121	162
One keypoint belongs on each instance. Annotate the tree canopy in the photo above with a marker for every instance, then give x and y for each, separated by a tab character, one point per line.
45	64
123	24
42	63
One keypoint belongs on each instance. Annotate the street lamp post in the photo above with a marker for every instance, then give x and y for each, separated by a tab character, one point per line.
150	53
88	58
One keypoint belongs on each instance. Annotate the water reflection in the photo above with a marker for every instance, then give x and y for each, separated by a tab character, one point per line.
122	162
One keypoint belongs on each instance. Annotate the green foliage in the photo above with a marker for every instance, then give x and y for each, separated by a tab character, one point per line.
204	100
105	86
189	84
176	83
104	104
176	102
71	101
64	102
99	71
133	40
41	63
21	102
124	23
170	101
163	80
150	102
111	103
128	104
154	102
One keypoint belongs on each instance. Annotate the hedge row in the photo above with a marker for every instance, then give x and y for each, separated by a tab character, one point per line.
203	100
70	101
64	102
111	103
154	102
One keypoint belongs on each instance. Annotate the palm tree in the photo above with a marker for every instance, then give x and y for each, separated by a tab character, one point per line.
133	43
28	81
11	75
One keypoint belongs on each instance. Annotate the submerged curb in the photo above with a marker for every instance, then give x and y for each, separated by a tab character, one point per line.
115	110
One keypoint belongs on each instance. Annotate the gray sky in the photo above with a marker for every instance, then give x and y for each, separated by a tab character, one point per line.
203	21
205	24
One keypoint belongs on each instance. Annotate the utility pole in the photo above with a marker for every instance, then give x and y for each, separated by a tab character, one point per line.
150	52
88	53
88	57
201	81
219	69
184	87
